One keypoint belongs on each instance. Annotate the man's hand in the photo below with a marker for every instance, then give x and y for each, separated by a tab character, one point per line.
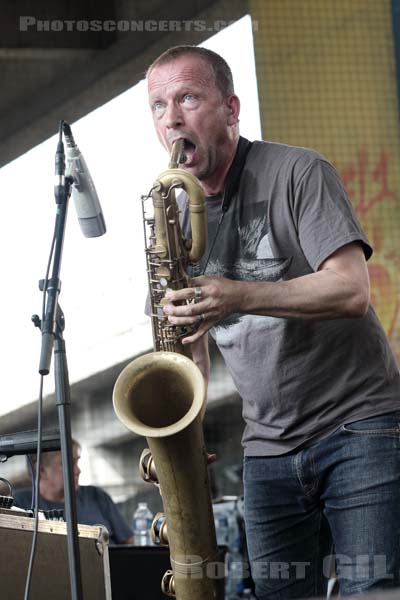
217	297
339	289
211	458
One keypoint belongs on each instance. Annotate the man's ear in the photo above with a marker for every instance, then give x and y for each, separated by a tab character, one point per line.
233	109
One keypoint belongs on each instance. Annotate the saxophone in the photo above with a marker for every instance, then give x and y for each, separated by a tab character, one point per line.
161	395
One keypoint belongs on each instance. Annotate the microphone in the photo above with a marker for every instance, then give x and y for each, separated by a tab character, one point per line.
87	205
25	442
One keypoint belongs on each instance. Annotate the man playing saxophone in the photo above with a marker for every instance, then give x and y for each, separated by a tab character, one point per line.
285	294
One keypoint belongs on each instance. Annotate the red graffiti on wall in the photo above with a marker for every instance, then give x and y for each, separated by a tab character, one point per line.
367	183
360	177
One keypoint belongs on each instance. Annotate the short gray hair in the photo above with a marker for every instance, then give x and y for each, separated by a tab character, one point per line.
221	70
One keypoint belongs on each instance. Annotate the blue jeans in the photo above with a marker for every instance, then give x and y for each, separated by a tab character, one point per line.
343	489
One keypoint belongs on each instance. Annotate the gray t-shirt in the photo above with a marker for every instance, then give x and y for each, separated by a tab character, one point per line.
93	506
299	379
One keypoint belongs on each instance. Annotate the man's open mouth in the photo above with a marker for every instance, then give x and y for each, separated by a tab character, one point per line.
189	149
189	146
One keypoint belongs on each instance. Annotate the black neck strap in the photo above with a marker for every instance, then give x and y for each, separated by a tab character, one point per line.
235	171
231	187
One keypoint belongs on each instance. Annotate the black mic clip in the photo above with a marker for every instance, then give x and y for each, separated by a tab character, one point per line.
59	169
62	183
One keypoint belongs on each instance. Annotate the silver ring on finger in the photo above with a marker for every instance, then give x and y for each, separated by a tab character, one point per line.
198	293
201	318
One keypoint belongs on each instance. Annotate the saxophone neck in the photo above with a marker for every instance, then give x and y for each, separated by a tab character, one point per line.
177	154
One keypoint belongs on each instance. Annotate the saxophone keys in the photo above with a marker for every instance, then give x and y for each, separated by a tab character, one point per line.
158	250
147	467
164	276
159	530
168	584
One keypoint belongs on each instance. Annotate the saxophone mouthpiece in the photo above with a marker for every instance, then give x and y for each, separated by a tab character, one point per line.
178	155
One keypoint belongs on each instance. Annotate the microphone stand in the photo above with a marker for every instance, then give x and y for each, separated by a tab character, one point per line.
52	334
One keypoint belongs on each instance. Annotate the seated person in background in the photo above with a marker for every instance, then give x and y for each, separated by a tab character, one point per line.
94	506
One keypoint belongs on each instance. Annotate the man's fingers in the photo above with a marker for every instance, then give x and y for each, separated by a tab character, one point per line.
187	310
211	458
189	339
184	320
183	294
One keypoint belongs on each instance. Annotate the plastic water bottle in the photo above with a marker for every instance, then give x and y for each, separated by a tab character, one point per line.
142	520
234	582
222	528
234	575
248	594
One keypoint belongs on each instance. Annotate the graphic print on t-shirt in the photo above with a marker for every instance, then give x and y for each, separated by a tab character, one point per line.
257	263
